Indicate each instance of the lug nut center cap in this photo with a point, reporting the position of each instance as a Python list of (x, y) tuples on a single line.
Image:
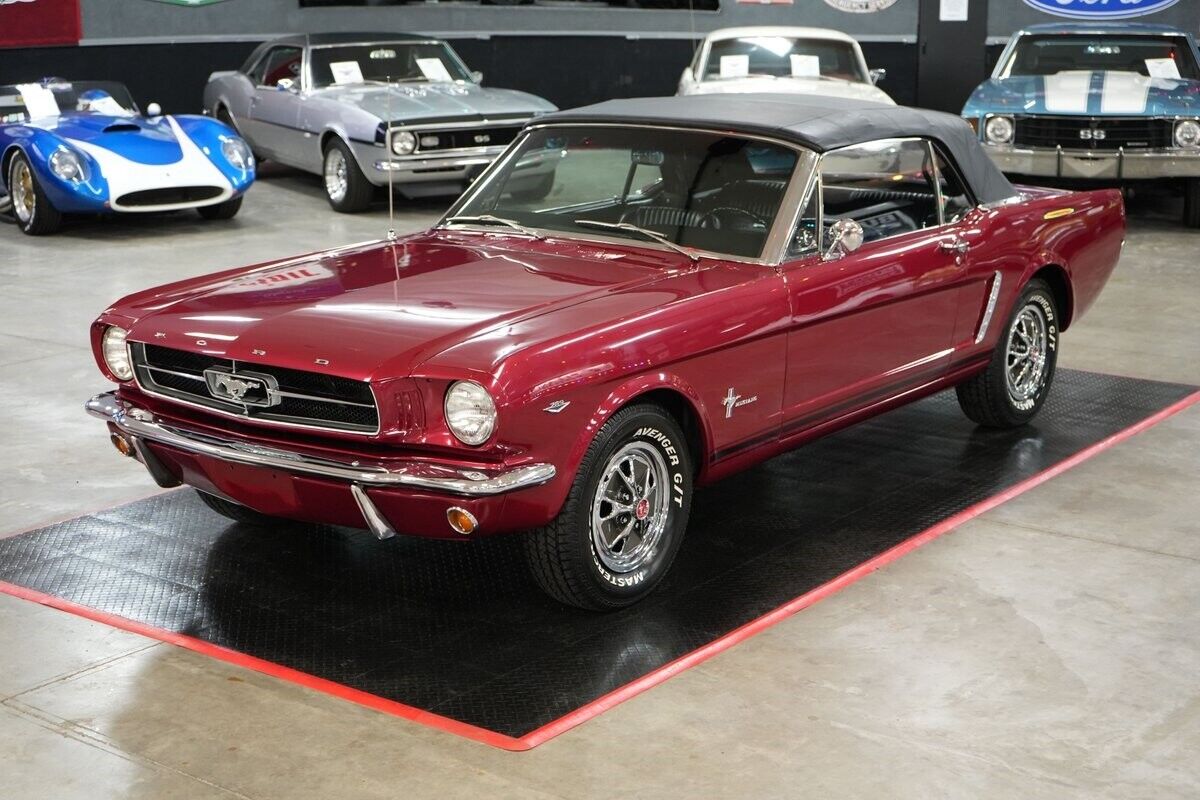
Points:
[(642, 509)]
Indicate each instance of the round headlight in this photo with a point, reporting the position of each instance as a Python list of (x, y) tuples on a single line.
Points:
[(403, 143), (116, 356), (237, 153), (66, 165), (998, 130), (470, 412), (1187, 133)]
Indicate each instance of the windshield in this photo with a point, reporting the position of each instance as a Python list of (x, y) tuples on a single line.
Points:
[(1154, 56), (707, 191), (783, 57), (396, 61), (21, 102)]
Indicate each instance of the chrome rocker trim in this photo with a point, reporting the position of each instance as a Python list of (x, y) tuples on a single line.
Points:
[(141, 424)]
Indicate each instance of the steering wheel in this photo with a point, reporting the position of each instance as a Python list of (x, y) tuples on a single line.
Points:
[(735, 218)]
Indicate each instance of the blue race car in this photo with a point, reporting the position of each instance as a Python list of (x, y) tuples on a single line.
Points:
[(84, 147), (1099, 103)]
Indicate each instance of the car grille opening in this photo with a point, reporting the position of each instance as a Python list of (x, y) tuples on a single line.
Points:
[(169, 196), (465, 138), (304, 398), (1093, 133)]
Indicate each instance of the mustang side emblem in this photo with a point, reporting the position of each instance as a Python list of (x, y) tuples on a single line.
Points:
[(734, 400), (557, 406), (245, 388)]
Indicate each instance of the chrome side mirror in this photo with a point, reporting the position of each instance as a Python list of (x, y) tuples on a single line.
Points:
[(845, 236), (877, 75), (154, 110), (286, 85), (476, 76)]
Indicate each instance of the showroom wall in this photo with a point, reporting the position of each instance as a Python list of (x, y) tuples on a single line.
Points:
[(572, 53)]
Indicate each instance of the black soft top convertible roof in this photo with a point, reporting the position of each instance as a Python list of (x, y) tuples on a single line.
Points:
[(815, 122)]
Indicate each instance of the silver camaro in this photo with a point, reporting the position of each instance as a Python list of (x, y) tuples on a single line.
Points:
[(359, 109)]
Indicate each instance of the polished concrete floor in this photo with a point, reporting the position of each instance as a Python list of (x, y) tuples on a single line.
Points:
[(1050, 648)]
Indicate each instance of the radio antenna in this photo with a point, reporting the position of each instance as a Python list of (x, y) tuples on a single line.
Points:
[(391, 234)]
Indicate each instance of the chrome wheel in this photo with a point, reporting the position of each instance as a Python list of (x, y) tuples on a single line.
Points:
[(20, 182), (629, 511), (337, 179), (1026, 353)]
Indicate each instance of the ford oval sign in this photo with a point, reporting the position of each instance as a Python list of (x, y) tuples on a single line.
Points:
[(1100, 9)]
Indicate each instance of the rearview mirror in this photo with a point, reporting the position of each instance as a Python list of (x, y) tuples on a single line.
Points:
[(877, 75), (845, 236), (476, 76)]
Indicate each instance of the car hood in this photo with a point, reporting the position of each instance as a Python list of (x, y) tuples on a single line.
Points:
[(1086, 92), (141, 139), (413, 102), (829, 87), (379, 311)]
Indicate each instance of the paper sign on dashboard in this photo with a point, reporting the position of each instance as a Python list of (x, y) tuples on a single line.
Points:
[(39, 101), (433, 69), (735, 66), (1162, 68), (346, 72), (806, 66)]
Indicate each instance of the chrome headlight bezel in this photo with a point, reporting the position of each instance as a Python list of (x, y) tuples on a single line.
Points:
[(1190, 130), (66, 165), (470, 412), (115, 351), (999, 129), (237, 153), (403, 143)]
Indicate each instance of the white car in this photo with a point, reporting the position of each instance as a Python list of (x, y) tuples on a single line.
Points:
[(782, 59)]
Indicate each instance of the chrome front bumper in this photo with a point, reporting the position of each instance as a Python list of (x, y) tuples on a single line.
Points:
[(1117, 164), (140, 424)]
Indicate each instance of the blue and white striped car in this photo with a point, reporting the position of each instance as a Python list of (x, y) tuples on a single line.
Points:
[(1110, 103)]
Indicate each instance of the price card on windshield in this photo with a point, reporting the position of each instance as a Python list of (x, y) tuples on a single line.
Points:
[(346, 72), (806, 66), (433, 69), (39, 101), (735, 66), (1162, 68)]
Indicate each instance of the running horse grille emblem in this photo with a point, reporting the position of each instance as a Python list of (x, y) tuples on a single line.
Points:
[(244, 388)]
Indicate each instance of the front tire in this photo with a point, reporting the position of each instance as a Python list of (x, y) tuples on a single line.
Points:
[(225, 210), (624, 518), (34, 213), (346, 186), (234, 511), (1191, 203), (1013, 388)]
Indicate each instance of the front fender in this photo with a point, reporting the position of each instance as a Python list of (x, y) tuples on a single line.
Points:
[(87, 196), (208, 134)]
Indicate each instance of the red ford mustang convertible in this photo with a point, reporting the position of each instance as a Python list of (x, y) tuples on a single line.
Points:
[(710, 281)]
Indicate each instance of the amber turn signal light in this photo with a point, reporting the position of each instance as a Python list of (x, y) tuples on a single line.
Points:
[(461, 520), (123, 445)]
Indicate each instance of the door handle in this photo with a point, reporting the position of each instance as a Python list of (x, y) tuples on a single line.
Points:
[(958, 246)]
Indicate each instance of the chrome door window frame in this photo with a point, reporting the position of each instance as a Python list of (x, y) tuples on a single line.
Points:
[(774, 246)]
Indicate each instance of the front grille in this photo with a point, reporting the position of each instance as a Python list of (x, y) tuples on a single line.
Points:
[(1093, 133), (463, 138), (303, 398), (170, 196)]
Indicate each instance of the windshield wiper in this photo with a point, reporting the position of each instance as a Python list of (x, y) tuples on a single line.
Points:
[(491, 219), (629, 226)]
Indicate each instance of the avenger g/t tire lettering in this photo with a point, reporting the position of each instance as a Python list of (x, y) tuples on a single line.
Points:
[(624, 518), (1011, 391)]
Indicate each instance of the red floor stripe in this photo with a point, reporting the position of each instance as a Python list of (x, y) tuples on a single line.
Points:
[(629, 690)]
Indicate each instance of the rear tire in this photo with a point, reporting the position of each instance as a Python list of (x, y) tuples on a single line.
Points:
[(346, 186), (32, 209), (1011, 391), (624, 518), (1191, 203), (226, 210), (233, 511)]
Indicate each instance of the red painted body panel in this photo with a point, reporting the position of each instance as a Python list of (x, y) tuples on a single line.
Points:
[(807, 347)]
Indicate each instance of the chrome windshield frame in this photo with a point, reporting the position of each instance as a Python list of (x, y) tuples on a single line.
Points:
[(774, 246)]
